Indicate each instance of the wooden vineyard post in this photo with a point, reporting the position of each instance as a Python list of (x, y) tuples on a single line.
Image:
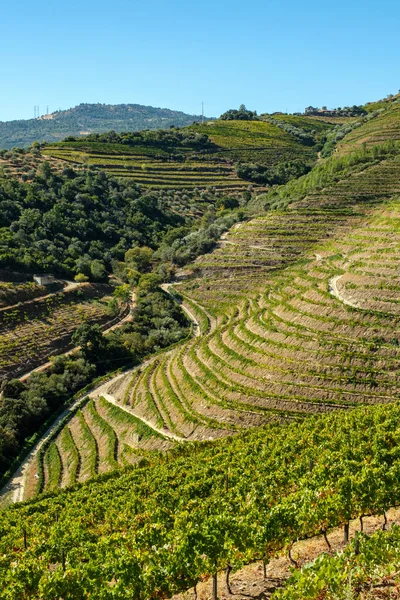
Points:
[(63, 559), (228, 572), (326, 540), (294, 562), (357, 547), (264, 569), (346, 533), (25, 539), (215, 587)]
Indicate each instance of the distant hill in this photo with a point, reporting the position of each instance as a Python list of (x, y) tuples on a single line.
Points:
[(89, 118)]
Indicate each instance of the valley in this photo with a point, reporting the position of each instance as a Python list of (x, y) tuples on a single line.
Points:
[(293, 347), (256, 401)]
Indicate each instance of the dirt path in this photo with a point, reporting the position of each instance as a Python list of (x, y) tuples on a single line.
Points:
[(48, 364), (196, 324), (70, 285), (334, 290), (16, 486), (164, 432)]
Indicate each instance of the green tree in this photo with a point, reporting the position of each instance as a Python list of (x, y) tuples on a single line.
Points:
[(13, 388), (122, 292), (149, 283), (45, 170), (139, 258), (81, 278), (98, 270), (91, 340)]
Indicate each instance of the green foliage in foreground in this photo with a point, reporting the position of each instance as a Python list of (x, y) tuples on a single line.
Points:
[(363, 565), (159, 528)]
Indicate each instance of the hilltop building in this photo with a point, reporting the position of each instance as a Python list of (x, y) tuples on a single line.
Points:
[(44, 279), (347, 111)]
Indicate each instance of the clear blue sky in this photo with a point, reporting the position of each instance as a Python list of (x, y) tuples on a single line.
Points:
[(268, 54)]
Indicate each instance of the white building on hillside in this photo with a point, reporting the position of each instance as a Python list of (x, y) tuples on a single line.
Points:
[(43, 279)]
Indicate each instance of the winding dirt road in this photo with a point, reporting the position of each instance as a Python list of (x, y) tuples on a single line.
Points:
[(15, 488), (334, 290), (48, 364), (16, 485), (70, 285), (195, 323), (164, 432)]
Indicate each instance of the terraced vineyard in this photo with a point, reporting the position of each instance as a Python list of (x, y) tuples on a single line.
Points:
[(12, 293), (23, 164), (260, 141), (184, 168), (295, 314), (175, 520), (31, 332), (148, 171), (99, 438), (297, 310), (382, 128)]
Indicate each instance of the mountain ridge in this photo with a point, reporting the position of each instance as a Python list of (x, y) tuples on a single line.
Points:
[(88, 118)]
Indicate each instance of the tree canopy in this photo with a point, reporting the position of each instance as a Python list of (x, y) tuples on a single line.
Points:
[(243, 114), (74, 224)]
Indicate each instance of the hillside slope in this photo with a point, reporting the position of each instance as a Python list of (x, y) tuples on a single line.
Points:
[(297, 311), (383, 127), (296, 315), (89, 118), (222, 154)]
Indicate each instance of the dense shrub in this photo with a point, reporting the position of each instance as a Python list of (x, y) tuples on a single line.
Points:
[(239, 115), (278, 174), (161, 138), (185, 249), (77, 223)]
